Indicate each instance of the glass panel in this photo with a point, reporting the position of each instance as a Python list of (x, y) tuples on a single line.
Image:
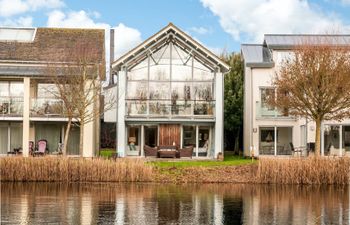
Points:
[(159, 90), (159, 107), (201, 72), (189, 136), (133, 139), (266, 94), (16, 135), (151, 136), (3, 138), (49, 132), (160, 72), (4, 88), (139, 72), (331, 139), (73, 141), (203, 141), (346, 138), (136, 107), (16, 89), (180, 57), (267, 139), (203, 91), (303, 135), (47, 90), (182, 108), (137, 90), (203, 108), (284, 140), (181, 73)]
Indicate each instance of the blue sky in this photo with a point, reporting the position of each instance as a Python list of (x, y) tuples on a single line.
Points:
[(218, 24)]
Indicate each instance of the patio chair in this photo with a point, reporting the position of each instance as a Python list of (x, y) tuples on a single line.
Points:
[(149, 151), (42, 146), (296, 150), (186, 151)]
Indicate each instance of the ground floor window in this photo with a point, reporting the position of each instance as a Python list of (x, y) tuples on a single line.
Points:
[(275, 140), (11, 136), (151, 136), (133, 140), (336, 139), (203, 141)]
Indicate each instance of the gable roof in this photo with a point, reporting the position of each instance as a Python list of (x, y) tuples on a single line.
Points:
[(289, 41), (170, 33), (49, 44)]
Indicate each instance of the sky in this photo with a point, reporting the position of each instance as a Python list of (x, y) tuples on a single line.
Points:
[(220, 25)]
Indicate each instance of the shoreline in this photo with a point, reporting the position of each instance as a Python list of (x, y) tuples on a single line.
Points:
[(264, 171)]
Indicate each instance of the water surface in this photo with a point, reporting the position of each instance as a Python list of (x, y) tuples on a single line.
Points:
[(54, 203)]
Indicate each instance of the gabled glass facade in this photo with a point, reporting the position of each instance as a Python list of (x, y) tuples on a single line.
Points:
[(170, 82)]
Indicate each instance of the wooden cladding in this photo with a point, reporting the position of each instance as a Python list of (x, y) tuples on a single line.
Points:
[(169, 133)]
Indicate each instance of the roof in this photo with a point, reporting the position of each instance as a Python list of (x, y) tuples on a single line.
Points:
[(174, 34), (256, 56), (51, 44), (288, 41)]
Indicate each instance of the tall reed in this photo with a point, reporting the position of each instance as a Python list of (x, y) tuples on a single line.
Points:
[(312, 170), (74, 170)]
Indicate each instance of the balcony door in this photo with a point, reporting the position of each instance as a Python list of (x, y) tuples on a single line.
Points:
[(169, 134)]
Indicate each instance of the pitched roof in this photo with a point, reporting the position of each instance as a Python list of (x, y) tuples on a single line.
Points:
[(256, 55), (49, 44), (288, 41), (173, 33)]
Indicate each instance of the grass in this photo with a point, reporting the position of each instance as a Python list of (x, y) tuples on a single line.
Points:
[(229, 160), (107, 152)]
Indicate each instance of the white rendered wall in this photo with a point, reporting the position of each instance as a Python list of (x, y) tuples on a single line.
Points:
[(121, 131), (219, 110)]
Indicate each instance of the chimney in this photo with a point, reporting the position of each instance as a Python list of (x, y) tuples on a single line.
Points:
[(111, 55)]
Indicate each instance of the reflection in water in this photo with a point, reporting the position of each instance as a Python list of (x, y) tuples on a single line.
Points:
[(35, 203)]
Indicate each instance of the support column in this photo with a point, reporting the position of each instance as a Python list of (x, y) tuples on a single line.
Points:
[(26, 122), (121, 113), (219, 114)]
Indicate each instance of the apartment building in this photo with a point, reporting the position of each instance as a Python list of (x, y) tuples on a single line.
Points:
[(268, 131), (28, 111)]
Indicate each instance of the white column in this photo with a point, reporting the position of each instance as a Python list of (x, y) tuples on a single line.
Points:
[(121, 113), (142, 139), (197, 140), (26, 122), (219, 114)]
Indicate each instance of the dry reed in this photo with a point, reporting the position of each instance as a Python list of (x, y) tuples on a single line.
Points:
[(312, 170), (74, 169)]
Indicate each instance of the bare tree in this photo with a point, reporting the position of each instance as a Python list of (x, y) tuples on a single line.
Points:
[(315, 83), (78, 84)]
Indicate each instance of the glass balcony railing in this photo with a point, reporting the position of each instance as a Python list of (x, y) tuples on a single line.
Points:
[(264, 111), (46, 107), (11, 106), (169, 108)]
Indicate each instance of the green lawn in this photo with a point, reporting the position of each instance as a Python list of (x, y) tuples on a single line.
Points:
[(107, 152), (229, 160)]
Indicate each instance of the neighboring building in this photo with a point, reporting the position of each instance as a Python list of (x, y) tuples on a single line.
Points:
[(170, 92), (28, 112), (269, 132)]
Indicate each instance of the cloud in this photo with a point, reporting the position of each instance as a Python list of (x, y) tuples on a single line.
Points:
[(200, 30), (14, 7), (345, 2), (250, 19), (125, 39), (73, 19), (26, 21)]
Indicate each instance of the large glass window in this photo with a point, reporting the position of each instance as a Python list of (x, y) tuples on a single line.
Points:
[(189, 136), (170, 82), (267, 140), (133, 140), (151, 136), (203, 141), (49, 132), (346, 138), (3, 138)]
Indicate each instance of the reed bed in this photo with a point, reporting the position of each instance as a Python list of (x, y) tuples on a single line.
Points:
[(74, 170), (311, 170)]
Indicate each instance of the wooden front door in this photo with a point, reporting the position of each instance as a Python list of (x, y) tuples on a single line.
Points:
[(169, 133)]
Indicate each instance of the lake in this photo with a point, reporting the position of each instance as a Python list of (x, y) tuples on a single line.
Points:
[(113, 203)]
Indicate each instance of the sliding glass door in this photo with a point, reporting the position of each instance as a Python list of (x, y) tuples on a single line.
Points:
[(4, 138), (275, 140)]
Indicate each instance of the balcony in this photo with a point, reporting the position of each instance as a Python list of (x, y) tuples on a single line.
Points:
[(263, 111), (11, 106), (47, 107), (167, 108)]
